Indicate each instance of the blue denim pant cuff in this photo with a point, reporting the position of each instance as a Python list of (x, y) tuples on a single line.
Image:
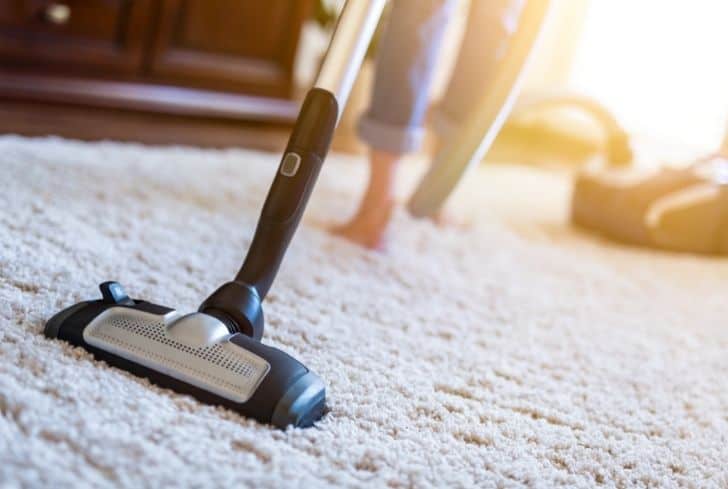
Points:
[(389, 137)]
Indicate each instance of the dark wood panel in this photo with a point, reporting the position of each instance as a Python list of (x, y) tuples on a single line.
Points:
[(148, 97), (44, 119), (79, 36), (150, 70), (231, 45)]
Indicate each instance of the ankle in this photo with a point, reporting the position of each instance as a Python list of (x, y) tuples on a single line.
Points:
[(382, 179)]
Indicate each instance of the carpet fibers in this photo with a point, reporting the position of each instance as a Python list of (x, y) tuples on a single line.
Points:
[(514, 352)]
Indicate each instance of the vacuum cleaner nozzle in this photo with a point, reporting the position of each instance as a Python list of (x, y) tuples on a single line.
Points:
[(215, 354), (194, 354)]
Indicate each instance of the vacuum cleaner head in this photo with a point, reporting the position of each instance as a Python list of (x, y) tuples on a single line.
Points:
[(215, 354), (194, 354)]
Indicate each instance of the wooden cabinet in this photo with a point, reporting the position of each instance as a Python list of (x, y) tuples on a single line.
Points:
[(206, 58), (228, 44), (74, 35)]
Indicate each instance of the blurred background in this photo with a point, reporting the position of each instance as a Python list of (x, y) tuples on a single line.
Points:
[(232, 72), (658, 65)]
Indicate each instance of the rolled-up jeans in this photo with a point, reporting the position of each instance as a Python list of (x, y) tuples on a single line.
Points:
[(406, 63)]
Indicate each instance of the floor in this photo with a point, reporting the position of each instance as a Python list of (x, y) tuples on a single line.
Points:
[(513, 352)]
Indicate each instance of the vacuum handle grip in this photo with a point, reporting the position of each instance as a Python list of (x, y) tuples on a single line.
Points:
[(291, 189)]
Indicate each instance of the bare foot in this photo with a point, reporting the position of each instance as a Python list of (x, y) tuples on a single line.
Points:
[(370, 222), (368, 227)]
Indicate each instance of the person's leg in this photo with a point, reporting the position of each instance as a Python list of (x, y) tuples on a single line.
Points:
[(368, 225), (393, 125)]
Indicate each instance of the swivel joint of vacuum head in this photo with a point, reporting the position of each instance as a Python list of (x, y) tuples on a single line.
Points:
[(238, 306)]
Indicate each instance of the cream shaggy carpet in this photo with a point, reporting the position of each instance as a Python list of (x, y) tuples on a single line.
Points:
[(517, 352)]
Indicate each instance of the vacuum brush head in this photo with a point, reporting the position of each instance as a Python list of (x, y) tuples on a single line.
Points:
[(216, 354), (194, 354)]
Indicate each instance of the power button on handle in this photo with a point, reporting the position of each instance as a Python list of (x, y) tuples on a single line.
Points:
[(290, 164), (289, 186)]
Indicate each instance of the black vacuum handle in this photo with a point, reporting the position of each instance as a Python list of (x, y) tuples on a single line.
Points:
[(238, 303), (291, 189)]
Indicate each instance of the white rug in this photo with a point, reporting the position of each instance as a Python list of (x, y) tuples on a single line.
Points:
[(518, 352)]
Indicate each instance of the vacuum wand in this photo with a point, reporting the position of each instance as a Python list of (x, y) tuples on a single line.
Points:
[(354, 30), (309, 143), (237, 303)]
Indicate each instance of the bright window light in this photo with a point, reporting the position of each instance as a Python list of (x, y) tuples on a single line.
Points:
[(660, 65)]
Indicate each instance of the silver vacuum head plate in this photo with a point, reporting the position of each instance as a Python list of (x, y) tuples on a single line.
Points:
[(194, 349)]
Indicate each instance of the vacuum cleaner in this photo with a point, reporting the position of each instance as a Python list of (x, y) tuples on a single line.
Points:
[(216, 353)]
